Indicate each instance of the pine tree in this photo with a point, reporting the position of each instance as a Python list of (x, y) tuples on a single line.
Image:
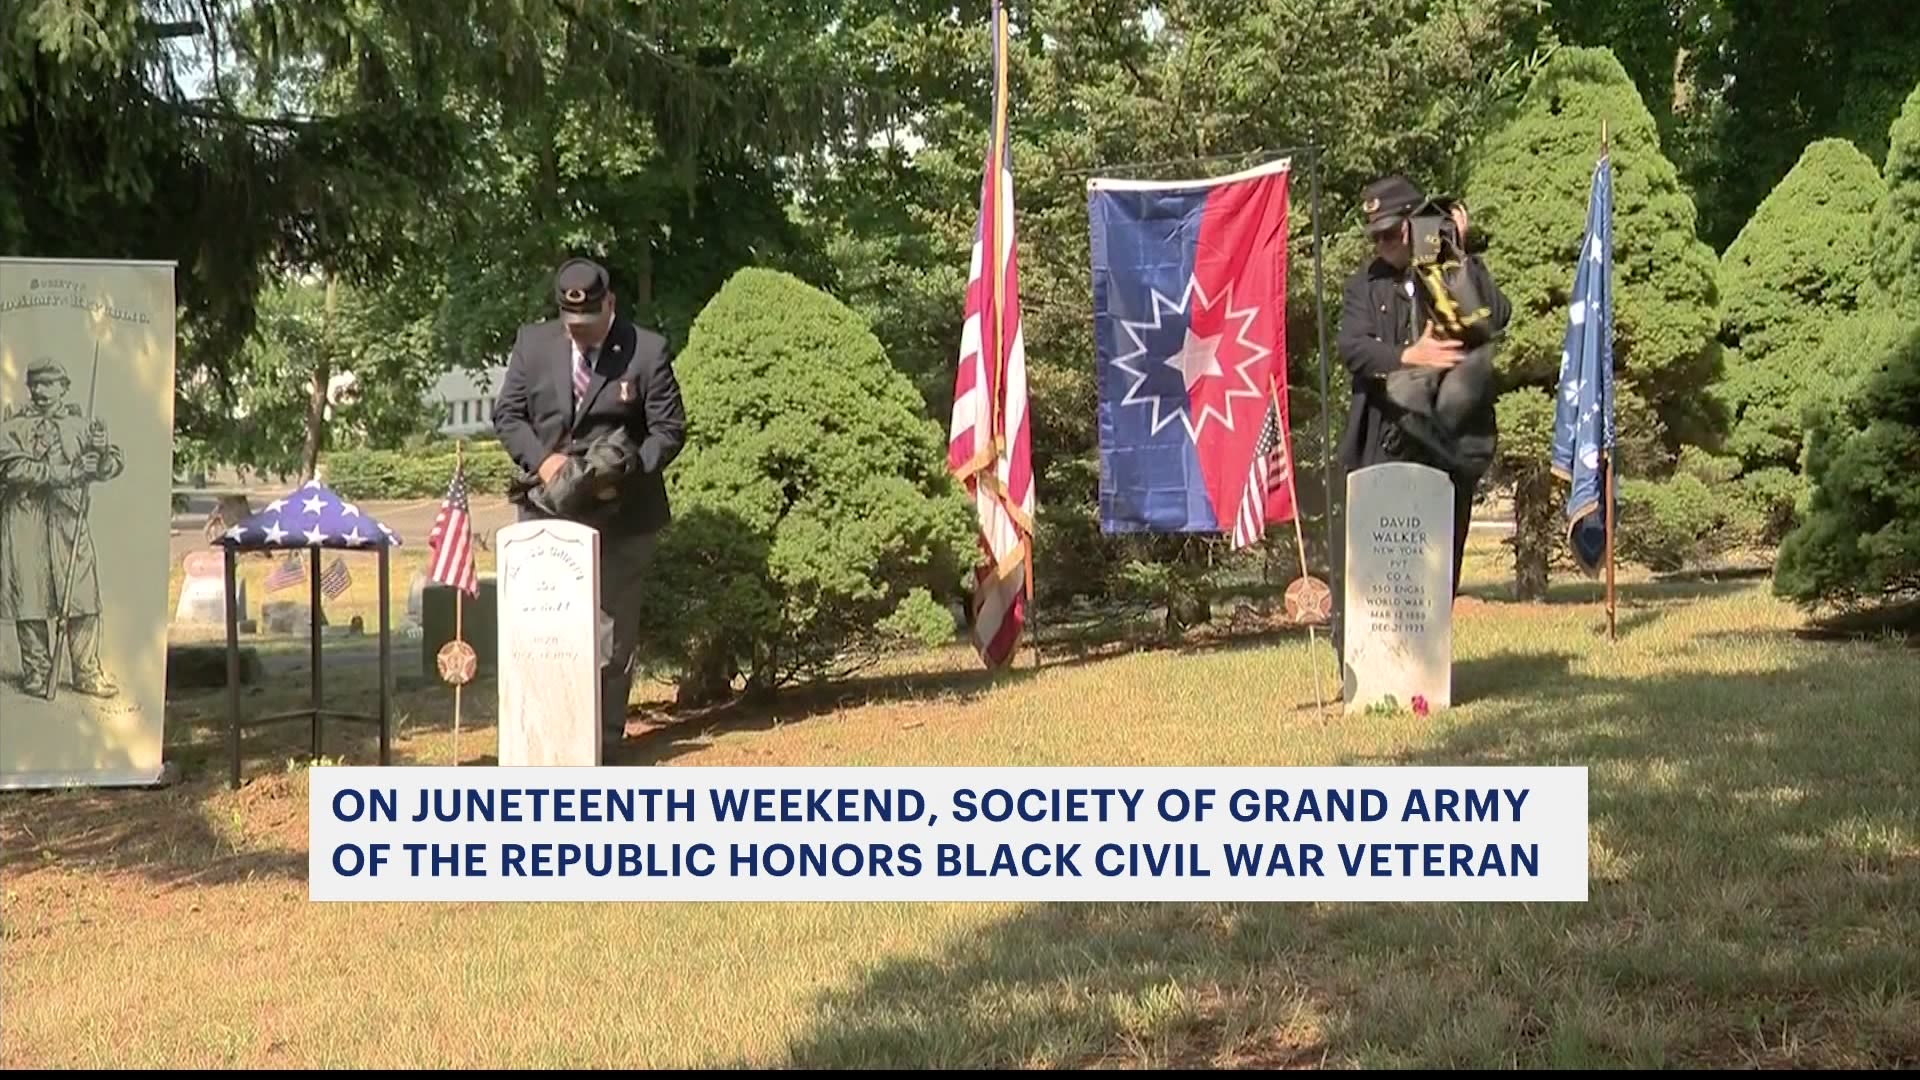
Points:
[(815, 522), (1799, 269), (1859, 542), (1528, 187)]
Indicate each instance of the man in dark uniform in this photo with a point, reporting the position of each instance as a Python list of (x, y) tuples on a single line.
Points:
[(575, 386), (1382, 331)]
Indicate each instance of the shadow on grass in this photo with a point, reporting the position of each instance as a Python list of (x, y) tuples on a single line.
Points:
[(174, 836), (197, 831), (1583, 591), (1755, 869), (686, 731)]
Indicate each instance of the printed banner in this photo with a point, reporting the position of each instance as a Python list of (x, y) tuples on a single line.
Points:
[(86, 480), (1403, 834)]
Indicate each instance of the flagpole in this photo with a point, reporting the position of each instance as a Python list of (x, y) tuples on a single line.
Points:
[(1608, 510), (996, 373), (1300, 545), (459, 610)]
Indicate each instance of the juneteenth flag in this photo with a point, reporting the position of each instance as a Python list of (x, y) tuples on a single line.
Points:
[(1189, 301)]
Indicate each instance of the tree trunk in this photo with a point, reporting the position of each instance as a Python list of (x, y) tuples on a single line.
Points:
[(317, 401), (1534, 534), (709, 676), (639, 307), (764, 678)]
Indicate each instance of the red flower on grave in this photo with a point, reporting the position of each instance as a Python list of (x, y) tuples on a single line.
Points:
[(1420, 706)]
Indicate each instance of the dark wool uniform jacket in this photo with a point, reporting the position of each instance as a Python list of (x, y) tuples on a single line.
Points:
[(632, 390), (1377, 323)]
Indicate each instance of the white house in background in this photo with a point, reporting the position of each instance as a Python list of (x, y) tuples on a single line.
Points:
[(466, 400)]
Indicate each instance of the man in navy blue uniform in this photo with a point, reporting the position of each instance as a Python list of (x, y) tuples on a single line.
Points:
[(1382, 332), (581, 391)]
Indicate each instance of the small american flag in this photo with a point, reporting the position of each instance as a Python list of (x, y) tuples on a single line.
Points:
[(450, 544), (1268, 470), (291, 571), (336, 579)]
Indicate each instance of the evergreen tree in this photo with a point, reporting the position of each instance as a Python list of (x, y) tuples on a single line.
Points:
[(1800, 265), (815, 520), (1859, 542), (1528, 186), (1896, 231)]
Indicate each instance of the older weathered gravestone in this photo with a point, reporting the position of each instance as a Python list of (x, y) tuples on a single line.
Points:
[(416, 591), (203, 592), (547, 574), (1399, 587)]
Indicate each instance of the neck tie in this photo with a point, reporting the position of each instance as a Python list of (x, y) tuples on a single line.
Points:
[(582, 373)]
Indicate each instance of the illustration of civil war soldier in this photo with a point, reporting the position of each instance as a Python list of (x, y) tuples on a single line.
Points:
[(50, 456)]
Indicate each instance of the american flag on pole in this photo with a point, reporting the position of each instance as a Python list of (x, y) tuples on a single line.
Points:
[(988, 443), (291, 571), (336, 579), (450, 544), (1268, 495)]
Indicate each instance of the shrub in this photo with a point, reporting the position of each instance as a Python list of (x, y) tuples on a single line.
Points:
[(1860, 540), (1802, 261), (1688, 518), (1896, 230), (395, 474), (1530, 180), (817, 525)]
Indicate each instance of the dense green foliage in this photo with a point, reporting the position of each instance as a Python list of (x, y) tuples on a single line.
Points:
[(399, 474), (441, 157), (1529, 186), (1767, 78), (1802, 265), (1859, 541), (1896, 231), (1688, 518), (1802, 262), (816, 520), (1861, 537)]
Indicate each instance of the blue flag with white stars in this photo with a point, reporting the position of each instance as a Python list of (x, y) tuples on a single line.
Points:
[(1583, 408)]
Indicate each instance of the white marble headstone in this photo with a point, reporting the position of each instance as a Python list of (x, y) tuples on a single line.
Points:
[(549, 617), (203, 592), (1398, 614)]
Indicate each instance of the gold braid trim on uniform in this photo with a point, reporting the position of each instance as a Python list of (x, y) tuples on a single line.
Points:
[(1447, 313)]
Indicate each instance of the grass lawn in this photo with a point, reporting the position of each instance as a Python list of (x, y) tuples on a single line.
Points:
[(1755, 802)]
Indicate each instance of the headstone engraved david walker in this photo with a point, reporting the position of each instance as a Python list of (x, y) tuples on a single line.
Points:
[(548, 619), (1399, 590)]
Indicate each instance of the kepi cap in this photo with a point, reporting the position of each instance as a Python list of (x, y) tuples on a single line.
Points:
[(580, 288), (1387, 202), (45, 370)]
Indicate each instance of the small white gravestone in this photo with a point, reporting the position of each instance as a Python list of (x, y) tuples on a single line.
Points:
[(416, 599), (203, 592), (548, 579), (1398, 614)]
